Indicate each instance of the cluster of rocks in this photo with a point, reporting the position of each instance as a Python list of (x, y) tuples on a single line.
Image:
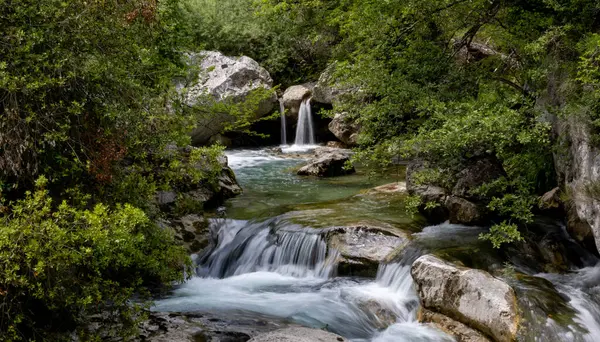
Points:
[(222, 79), (182, 206), (461, 203), (192, 327)]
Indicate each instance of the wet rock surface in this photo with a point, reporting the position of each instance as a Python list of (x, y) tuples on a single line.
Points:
[(469, 296), (298, 334), (199, 327), (459, 331), (363, 248), (328, 164)]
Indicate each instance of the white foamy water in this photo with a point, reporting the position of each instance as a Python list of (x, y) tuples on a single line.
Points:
[(299, 148), (238, 159), (274, 269)]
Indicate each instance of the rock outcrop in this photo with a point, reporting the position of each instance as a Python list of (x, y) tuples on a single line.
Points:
[(228, 80), (184, 203), (460, 203), (298, 334), (469, 296), (578, 170), (326, 91), (345, 129), (293, 96), (363, 248), (329, 163)]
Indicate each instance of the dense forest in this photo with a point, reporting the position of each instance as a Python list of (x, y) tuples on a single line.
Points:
[(93, 126)]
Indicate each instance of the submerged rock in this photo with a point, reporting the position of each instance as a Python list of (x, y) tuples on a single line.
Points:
[(392, 188), (345, 129), (469, 296), (383, 316), (225, 79), (298, 334), (331, 164), (459, 331), (363, 248)]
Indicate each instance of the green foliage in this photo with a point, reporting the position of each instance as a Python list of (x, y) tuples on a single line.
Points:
[(502, 233), (412, 204), (61, 264)]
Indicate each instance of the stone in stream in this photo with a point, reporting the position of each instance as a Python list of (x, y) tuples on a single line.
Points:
[(469, 296), (328, 163), (363, 248), (298, 334)]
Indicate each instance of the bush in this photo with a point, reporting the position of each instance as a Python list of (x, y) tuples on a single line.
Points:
[(61, 264)]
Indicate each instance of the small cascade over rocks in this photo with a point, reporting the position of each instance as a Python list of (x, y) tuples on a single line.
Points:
[(283, 124), (270, 246), (282, 271), (305, 132)]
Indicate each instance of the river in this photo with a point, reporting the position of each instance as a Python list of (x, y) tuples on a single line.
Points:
[(272, 261)]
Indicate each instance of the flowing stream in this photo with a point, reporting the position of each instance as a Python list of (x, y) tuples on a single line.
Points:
[(272, 261)]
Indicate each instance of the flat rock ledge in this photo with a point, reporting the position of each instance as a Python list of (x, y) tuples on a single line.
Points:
[(298, 334)]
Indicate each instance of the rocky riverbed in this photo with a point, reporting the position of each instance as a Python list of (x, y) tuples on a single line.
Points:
[(340, 254)]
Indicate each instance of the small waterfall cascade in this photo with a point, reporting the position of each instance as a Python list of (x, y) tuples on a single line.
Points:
[(271, 246), (305, 134), (283, 124)]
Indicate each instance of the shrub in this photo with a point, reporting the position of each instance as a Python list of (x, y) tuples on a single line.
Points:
[(61, 264)]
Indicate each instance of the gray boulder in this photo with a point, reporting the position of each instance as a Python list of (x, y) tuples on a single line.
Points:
[(293, 97), (363, 248), (330, 164), (477, 173), (345, 129), (462, 211), (325, 90), (298, 334), (469, 296), (228, 80)]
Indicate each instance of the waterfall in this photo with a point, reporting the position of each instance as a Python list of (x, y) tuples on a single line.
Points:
[(270, 246), (305, 134), (283, 124)]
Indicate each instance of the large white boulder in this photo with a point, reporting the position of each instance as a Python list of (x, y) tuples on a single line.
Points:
[(472, 297), (224, 79)]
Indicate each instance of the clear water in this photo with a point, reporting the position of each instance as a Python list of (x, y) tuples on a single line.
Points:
[(272, 262)]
